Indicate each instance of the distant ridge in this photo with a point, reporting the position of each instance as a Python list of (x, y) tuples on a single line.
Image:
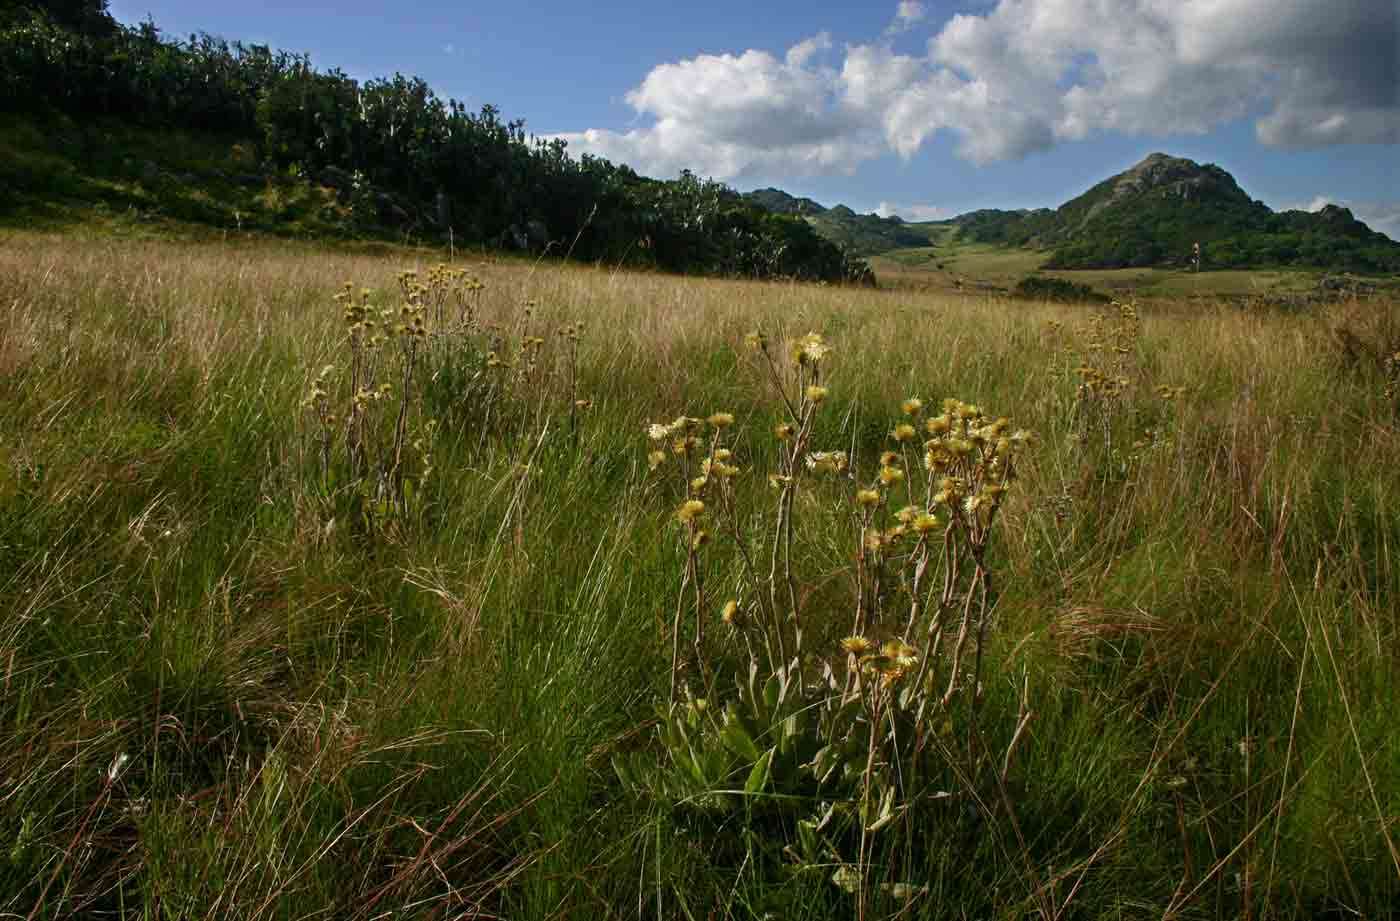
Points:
[(1155, 212), (859, 234)]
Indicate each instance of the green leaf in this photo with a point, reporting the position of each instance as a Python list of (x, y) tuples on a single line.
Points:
[(886, 812), (790, 730), (772, 693), (738, 740), (758, 776)]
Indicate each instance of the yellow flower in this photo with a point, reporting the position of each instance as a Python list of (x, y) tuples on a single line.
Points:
[(868, 497), (810, 348), (889, 459), (783, 431), (690, 510), (827, 462), (730, 612), (912, 406), (889, 476), (900, 654), (656, 459), (926, 523), (816, 394), (856, 645), (721, 420), (902, 432)]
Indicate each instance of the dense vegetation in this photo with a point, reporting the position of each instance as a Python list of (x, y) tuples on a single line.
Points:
[(860, 234), (1154, 213), (1061, 290), (401, 159), (321, 603)]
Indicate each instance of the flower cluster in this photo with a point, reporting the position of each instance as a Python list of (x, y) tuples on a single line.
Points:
[(444, 288)]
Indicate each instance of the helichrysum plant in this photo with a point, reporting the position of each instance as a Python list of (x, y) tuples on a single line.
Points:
[(362, 417), (863, 722)]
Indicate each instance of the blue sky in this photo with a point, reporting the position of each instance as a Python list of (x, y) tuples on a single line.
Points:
[(926, 109)]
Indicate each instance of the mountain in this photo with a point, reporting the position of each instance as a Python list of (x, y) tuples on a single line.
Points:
[(859, 234), (1154, 213), (780, 202)]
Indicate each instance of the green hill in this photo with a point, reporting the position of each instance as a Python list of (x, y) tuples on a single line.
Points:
[(1154, 213), (858, 234), (104, 125)]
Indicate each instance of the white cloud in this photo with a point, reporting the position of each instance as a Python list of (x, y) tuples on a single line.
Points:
[(918, 212), (1379, 215), (1022, 77), (732, 115)]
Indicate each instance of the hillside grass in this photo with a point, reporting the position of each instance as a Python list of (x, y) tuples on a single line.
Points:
[(954, 265), (104, 178), (226, 697)]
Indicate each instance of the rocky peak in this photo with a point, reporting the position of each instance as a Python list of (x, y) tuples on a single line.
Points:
[(1177, 177), (1335, 214)]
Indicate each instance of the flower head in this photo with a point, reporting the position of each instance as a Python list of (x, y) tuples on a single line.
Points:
[(827, 462), (856, 645), (810, 349), (925, 523), (900, 654), (690, 510)]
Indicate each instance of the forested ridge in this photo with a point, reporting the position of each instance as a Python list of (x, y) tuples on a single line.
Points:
[(402, 159)]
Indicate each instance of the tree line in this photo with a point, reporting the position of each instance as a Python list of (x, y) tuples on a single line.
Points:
[(475, 174)]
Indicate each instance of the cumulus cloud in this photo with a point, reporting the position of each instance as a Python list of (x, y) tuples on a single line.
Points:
[(1020, 78), (916, 212)]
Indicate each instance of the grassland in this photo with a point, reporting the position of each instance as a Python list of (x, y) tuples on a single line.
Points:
[(237, 685), (953, 265)]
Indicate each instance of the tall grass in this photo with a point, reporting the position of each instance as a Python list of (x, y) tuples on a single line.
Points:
[(223, 700)]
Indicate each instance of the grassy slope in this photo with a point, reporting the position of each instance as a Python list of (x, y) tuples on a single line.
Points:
[(953, 264), (109, 178), (219, 702)]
